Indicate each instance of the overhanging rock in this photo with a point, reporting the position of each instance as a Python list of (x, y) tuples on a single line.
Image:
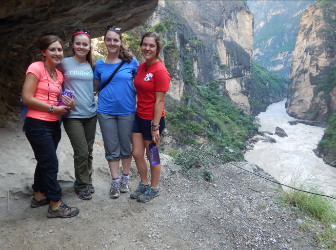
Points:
[(23, 23)]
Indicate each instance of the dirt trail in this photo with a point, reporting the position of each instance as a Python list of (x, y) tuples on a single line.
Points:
[(237, 211)]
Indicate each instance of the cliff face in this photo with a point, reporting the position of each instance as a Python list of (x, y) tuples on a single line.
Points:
[(312, 93), (224, 32), (211, 41), (24, 23), (276, 24)]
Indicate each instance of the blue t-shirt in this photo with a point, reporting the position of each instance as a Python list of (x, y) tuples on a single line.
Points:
[(118, 96)]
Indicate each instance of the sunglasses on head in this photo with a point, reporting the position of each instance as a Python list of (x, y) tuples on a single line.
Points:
[(114, 28), (85, 31)]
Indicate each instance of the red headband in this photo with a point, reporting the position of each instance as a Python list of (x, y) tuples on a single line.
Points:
[(81, 32)]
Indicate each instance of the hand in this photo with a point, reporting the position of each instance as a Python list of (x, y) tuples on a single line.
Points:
[(60, 110), (156, 136), (69, 102)]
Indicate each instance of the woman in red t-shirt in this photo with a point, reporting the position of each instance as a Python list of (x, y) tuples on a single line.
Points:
[(40, 93), (151, 83)]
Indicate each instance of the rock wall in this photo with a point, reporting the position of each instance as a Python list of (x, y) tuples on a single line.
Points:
[(24, 23), (217, 38), (276, 24), (310, 95)]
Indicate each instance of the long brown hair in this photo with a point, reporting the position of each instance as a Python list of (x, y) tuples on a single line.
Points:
[(124, 53), (46, 41), (157, 40), (89, 55)]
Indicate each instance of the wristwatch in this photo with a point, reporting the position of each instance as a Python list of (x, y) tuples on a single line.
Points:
[(51, 110)]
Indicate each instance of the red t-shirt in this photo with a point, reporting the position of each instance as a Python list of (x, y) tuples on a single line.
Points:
[(146, 83)]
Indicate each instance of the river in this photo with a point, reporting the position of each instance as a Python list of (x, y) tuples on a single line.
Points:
[(291, 160)]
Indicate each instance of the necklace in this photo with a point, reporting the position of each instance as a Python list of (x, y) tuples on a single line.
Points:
[(51, 75)]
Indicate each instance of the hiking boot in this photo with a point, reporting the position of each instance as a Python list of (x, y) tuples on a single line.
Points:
[(34, 203), (149, 194), (124, 184), (63, 211), (137, 192), (91, 188), (114, 191), (84, 195)]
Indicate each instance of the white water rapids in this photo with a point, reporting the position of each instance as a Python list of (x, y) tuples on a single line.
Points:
[(291, 160)]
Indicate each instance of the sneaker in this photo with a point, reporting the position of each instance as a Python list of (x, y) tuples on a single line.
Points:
[(140, 189), (91, 188), (34, 203), (124, 184), (63, 211), (84, 195), (149, 194), (114, 191)]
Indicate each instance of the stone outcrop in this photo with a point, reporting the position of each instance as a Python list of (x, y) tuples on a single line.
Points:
[(225, 31), (23, 23), (311, 96), (276, 24), (280, 132)]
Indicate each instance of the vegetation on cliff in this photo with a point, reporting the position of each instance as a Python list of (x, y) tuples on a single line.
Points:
[(214, 117), (327, 146), (266, 88)]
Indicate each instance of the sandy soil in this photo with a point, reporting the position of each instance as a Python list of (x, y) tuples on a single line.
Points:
[(236, 211)]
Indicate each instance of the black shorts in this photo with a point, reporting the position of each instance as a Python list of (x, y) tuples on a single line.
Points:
[(145, 127)]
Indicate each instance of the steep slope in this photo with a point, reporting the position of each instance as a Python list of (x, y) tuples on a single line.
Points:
[(276, 24), (312, 92)]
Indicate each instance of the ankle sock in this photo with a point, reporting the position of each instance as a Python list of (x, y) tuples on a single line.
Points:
[(115, 179), (54, 209), (38, 199), (125, 175)]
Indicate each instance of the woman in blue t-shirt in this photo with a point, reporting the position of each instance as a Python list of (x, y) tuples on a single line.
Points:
[(116, 106)]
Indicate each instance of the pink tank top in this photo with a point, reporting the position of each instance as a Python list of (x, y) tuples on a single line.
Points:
[(47, 91)]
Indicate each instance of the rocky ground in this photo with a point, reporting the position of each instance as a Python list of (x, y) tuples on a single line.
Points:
[(237, 211)]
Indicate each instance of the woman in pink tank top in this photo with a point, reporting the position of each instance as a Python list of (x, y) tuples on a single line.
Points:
[(40, 93)]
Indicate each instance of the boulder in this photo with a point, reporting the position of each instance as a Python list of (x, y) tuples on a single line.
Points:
[(269, 139), (293, 122), (280, 132)]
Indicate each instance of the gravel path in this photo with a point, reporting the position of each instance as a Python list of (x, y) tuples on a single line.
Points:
[(236, 211)]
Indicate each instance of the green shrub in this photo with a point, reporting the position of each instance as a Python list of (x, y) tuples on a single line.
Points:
[(223, 66), (208, 176), (319, 207)]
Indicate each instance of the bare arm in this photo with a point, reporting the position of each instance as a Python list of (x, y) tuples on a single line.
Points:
[(96, 84), (160, 97), (28, 91)]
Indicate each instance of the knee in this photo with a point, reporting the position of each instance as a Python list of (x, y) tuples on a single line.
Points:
[(81, 155), (138, 154)]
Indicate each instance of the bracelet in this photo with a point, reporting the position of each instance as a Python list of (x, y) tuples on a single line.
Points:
[(155, 127)]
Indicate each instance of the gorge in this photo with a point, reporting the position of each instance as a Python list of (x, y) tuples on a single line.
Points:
[(312, 88), (216, 90)]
